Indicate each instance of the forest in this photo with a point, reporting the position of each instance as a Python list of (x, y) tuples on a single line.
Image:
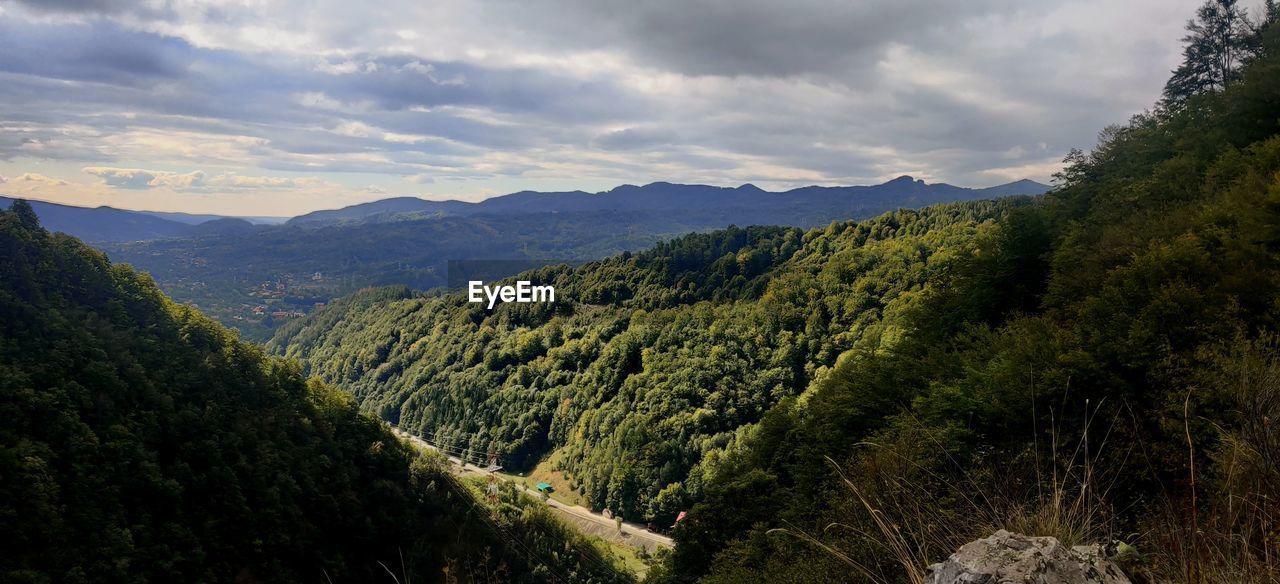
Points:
[(848, 402), (222, 266), (1098, 364), (144, 443), (648, 363)]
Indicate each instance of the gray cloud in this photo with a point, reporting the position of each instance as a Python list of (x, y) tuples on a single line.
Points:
[(752, 37), (153, 9), (567, 91)]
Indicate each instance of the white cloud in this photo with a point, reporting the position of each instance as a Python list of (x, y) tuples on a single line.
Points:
[(196, 180), (564, 94), (31, 177), (137, 178)]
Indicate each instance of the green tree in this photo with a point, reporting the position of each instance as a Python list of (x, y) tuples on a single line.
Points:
[(1217, 42)]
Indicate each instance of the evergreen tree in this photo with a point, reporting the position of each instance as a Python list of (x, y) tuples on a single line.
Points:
[(1218, 41), (25, 214)]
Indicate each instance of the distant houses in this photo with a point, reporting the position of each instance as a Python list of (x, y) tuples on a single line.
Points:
[(262, 311)]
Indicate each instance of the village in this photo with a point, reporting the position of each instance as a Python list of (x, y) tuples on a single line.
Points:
[(280, 298)]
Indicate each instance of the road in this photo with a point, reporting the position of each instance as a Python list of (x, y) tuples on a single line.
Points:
[(636, 533)]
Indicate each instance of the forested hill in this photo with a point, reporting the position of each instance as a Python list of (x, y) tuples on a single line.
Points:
[(1104, 370), (748, 204), (229, 268), (649, 364), (143, 443), (104, 224), (1099, 365)]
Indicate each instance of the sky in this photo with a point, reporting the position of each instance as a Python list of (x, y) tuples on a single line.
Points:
[(260, 107)]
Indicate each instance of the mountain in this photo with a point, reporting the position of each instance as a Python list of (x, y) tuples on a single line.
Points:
[(232, 269), (104, 224), (853, 402), (384, 207), (741, 205), (223, 226), (143, 443), (110, 225), (237, 274), (648, 362), (196, 219)]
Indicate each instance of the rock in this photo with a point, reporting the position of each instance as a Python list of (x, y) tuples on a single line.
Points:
[(1011, 558)]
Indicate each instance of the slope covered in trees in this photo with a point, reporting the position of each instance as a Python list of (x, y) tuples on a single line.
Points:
[(1099, 364), (648, 364), (143, 443), (228, 268), (1128, 392), (104, 224)]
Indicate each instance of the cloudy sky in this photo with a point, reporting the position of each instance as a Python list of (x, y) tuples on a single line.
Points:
[(260, 107)]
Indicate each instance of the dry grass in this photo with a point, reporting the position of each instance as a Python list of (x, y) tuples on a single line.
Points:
[(910, 501), (1236, 537), (899, 489)]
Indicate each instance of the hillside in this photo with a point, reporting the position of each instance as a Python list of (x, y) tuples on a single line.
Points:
[(1098, 365), (1104, 370), (143, 443), (231, 269), (718, 206), (228, 270), (106, 225), (650, 362), (103, 224)]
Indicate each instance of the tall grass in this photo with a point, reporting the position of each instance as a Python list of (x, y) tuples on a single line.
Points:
[(1235, 536), (916, 504), (912, 502)]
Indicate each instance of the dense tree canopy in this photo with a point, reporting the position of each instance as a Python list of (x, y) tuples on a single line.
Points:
[(143, 443), (1118, 336), (1097, 363), (649, 363)]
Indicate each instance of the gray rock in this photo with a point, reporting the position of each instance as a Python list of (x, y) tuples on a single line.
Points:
[(1011, 558)]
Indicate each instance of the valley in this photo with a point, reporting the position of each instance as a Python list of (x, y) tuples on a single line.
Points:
[(659, 382), (255, 277)]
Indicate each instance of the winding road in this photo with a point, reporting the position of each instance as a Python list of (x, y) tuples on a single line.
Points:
[(633, 534)]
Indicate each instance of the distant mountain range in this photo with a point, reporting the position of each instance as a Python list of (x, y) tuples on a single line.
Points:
[(242, 273), (110, 225), (703, 204), (747, 204)]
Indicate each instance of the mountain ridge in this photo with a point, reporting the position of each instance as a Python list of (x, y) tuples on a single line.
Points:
[(107, 224), (663, 195)]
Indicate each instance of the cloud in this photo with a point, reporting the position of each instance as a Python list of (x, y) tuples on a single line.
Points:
[(31, 177), (565, 94), (752, 37), (142, 8), (136, 178), (632, 138), (235, 181), (197, 180), (1045, 167)]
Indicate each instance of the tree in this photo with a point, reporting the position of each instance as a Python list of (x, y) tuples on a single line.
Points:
[(1217, 42), (26, 215), (1255, 43)]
